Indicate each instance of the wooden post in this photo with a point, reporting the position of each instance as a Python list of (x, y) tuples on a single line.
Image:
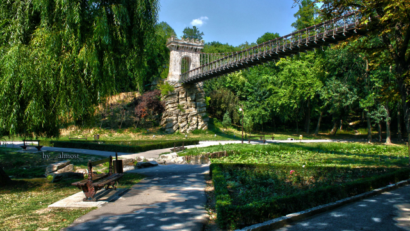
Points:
[(116, 162)]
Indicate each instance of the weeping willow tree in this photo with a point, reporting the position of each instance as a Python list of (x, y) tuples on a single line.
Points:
[(59, 58)]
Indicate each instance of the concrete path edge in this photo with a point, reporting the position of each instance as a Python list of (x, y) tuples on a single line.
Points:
[(284, 220)]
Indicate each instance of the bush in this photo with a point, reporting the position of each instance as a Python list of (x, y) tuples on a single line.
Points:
[(165, 88), (226, 120), (121, 148), (237, 214)]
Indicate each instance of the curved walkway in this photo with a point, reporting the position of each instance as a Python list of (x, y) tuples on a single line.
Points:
[(171, 197)]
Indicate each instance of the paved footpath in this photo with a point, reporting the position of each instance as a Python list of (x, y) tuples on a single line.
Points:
[(389, 211), (171, 197)]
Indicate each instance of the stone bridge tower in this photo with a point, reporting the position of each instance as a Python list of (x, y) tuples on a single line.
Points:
[(185, 108)]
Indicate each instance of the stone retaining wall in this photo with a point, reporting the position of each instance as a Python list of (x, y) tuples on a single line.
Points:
[(185, 109)]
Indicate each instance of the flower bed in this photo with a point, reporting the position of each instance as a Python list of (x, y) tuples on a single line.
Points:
[(247, 194)]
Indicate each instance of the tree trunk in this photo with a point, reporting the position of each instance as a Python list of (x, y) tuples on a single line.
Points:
[(318, 123), (341, 125), (307, 125), (337, 128), (369, 128), (297, 126), (4, 178), (399, 136), (388, 121), (362, 119), (380, 131), (274, 126), (404, 95), (334, 129)]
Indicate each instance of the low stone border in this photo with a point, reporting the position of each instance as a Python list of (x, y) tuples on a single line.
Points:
[(282, 221), (76, 200), (194, 160)]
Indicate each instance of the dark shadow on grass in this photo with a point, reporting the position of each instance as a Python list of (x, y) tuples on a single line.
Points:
[(23, 185)]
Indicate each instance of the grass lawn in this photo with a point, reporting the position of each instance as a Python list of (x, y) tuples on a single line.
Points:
[(310, 154), (215, 132), (18, 163), (23, 204)]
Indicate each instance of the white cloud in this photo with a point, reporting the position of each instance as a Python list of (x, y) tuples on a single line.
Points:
[(199, 21)]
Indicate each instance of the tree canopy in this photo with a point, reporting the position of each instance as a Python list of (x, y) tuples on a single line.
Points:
[(307, 15), (59, 58), (267, 37), (192, 33)]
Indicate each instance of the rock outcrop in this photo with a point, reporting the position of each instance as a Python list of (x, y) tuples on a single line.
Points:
[(185, 109), (146, 164), (59, 167), (173, 158)]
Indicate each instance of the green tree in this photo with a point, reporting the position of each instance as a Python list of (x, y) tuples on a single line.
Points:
[(192, 33), (307, 15), (160, 53), (164, 30), (267, 37), (223, 100), (226, 122), (60, 58), (217, 47), (389, 21)]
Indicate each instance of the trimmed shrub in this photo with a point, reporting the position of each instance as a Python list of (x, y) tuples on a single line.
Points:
[(119, 147), (234, 213)]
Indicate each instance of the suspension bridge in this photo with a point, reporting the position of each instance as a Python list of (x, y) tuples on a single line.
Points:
[(310, 38)]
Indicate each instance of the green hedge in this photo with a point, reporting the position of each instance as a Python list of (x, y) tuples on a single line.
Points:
[(233, 215), (116, 148), (127, 143)]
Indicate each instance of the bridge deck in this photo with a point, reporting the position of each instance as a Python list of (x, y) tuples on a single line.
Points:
[(300, 41)]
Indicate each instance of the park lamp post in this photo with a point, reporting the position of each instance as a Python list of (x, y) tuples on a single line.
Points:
[(240, 109)]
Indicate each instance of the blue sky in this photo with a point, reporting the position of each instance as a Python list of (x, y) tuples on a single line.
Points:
[(229, 21)]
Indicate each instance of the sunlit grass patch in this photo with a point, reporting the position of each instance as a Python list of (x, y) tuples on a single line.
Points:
[(309, 154), (23, 205)]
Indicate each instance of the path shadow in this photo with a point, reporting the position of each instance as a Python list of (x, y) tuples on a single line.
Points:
[(167, 199), (377, 213)]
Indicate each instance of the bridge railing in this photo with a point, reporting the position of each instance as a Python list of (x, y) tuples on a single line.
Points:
[(291, 42)]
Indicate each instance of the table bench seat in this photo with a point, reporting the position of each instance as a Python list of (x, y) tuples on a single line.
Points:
[(97, 181), (26, 146), (105, 181)]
